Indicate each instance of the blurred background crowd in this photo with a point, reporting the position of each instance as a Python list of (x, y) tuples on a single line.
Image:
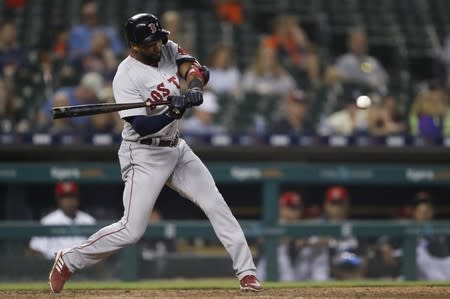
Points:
[(281, 67)]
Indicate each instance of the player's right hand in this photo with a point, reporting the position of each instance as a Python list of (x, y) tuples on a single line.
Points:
[(177, 107)]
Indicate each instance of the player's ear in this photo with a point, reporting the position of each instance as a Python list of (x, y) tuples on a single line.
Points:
[(134, 46)]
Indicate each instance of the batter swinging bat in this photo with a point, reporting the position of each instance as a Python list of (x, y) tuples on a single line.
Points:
[(91, 109)]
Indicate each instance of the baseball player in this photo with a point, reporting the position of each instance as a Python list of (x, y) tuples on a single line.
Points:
[(152, 155), (67, 213), (298, 259)]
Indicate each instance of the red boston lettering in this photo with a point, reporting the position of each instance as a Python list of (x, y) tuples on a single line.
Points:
[(173, 80), (163, 89), (156, 96)]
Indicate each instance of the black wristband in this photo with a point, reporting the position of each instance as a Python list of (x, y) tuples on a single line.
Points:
[(196, 82)]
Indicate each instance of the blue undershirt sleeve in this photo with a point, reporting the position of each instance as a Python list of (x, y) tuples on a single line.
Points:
[(146, 125)]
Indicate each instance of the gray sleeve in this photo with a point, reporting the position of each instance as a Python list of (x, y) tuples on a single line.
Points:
[(125, 91), (178, 53)]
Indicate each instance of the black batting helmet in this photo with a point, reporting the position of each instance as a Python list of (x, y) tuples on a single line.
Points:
[(144, 29)]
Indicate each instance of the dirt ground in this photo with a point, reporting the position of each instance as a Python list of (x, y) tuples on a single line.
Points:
[(299, 293)]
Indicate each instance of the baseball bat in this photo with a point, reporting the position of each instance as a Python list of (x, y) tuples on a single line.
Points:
[(91, 109)]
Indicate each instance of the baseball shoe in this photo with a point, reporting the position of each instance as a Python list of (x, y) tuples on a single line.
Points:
[(59, 274), (250, 283)]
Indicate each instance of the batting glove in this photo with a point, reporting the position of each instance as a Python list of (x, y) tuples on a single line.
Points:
[(194, 96)]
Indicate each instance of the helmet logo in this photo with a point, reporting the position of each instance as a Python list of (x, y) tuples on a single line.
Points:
[(152, 27)]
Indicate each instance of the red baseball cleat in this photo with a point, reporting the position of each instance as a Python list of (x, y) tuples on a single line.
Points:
[(59, 274), (250, 283)]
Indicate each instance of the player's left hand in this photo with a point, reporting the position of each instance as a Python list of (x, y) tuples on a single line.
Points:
[(194, 96)]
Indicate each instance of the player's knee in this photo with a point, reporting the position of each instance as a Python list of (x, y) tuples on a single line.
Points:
[(134, 236)]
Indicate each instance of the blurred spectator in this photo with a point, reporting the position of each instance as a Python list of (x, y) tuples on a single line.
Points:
[(57, 126), (347, 121), (59, 47), (14, 116), (87, 92), (446, 58), (12, 56), (433, 251), (266, 75), (65, 76), (171, 21), (230, 11), (295, 118), (358, 66), (384, 254), (202, 120), (81, 36), (230, 14), (298, 259), (430, 115), (384, 258), (384, 118), (224, 75), (104, 123), (336, 205), (100, 58), (67, 213), (345, 252), (53, 58), (294, 49), (7, 113), (423, 207), (14, 4)]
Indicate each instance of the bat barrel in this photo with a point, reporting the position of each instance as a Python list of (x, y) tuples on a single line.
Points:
[(91, 109), (59, 113), (62, 112)]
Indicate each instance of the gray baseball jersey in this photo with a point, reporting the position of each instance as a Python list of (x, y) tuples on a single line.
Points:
[(147, 168), (137, 82)]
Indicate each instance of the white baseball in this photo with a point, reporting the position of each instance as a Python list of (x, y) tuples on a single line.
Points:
[(363, 102)]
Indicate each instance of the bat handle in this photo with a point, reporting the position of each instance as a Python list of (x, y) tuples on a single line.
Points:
[(152, 105)]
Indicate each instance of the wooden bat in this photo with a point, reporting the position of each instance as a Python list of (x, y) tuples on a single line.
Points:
[(91, 109)]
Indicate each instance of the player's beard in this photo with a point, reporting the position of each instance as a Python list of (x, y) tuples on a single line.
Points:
[(150, 59)]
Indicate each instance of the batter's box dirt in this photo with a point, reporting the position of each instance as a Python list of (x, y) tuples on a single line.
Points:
[(432, 292)]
